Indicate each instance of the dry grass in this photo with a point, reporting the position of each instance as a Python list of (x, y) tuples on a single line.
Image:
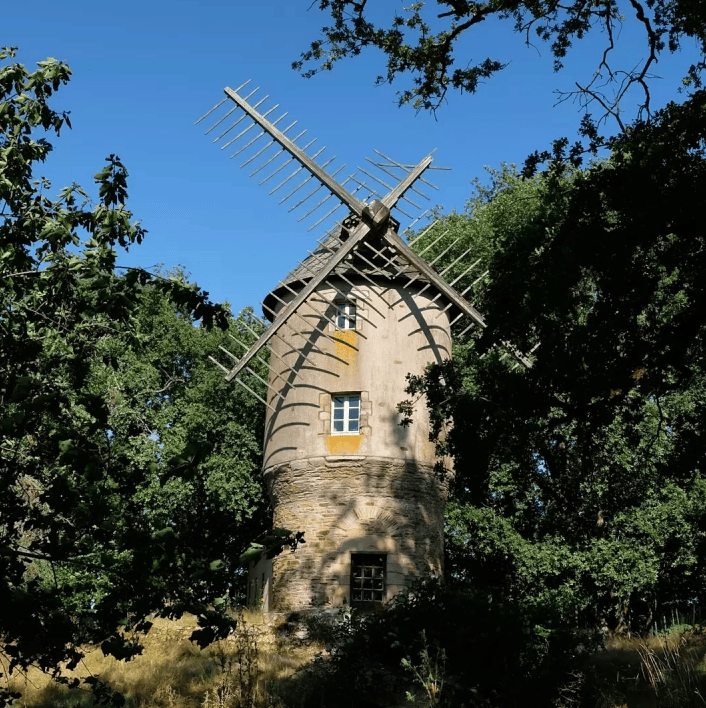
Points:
[(252, 669), (243, 671), (666, 671)]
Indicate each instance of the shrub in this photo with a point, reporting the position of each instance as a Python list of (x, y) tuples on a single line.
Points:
[(451, 647)]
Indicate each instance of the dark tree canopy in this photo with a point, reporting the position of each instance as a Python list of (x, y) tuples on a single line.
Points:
[(128, 471), (579, 482), (421, 44)]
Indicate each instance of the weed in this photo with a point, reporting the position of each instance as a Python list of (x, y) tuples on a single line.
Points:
[(328, 629), (428, 673), (237, 660), (673, 671)]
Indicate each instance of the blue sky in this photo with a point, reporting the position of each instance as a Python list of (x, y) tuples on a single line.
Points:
[(144, 71)]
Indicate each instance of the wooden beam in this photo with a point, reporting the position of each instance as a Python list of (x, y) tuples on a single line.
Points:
[(354, 239), (433, 277), (450, 293), (375, 215), (398, 192), (343, 194)]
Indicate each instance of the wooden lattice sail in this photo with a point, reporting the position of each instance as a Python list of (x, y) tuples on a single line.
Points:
[(366, 242)]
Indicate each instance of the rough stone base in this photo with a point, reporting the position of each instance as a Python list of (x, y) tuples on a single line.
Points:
[(353, 505)]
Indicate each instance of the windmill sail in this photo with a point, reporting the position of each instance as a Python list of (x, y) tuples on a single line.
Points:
[(361, 245)]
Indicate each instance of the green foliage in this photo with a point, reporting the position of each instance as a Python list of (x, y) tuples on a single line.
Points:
[(270, 543), (579, 482), (127, 464), (448, 646)]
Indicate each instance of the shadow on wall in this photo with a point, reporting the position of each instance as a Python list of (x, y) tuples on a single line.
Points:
[(440, 353), (365, 505), (347, 503), (288, 381)]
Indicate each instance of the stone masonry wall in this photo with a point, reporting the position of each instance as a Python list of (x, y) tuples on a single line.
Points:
[(349, 504)]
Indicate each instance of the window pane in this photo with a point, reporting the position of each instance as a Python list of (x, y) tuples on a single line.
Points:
[(345, 315), (345, 414), (367, 578), (351, 317)]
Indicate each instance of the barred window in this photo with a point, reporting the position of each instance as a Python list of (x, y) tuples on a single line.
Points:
[(345, 418), (368, 571)]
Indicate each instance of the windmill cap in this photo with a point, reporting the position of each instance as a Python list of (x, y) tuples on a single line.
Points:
[(355, 268)]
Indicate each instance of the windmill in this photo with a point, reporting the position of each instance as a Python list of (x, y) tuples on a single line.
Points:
[(359, 312)]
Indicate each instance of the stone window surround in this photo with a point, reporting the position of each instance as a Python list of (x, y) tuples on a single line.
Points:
[(325, 405)]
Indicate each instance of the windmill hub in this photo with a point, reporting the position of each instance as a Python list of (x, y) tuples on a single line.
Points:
[(376, 214)]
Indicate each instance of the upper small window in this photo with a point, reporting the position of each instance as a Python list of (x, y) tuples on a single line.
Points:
[(345, 315), (345, 418)]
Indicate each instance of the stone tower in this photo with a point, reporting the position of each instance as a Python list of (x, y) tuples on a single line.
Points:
[(337, 464)]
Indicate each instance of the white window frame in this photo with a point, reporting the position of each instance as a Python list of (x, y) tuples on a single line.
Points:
[(346, 315), (347, 403)]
